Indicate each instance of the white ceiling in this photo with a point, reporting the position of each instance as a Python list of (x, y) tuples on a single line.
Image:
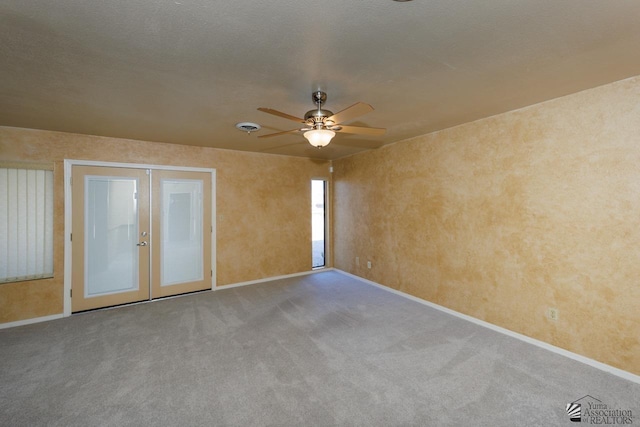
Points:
[(186, 71)]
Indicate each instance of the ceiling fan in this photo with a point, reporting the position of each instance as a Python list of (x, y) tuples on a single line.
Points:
[(320, 126)]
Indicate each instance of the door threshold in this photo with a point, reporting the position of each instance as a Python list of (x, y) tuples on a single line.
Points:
[(111, 307)]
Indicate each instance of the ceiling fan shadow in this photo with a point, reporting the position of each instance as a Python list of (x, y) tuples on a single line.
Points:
[(369, 145), (303, 149)]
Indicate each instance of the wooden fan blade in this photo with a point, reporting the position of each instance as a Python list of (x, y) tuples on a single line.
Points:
[(362, 130), (279, 133), (281, 114), (349, 113)]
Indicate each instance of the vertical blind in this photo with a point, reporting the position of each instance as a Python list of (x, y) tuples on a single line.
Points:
[(26, 222)]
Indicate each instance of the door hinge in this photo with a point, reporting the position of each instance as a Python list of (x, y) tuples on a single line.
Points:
[(70, 292), (71, 237), (211, 273)]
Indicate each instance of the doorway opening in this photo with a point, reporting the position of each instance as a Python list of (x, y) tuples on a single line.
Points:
[(318, 222)]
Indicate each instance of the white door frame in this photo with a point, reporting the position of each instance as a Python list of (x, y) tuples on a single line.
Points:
[(68, 165)]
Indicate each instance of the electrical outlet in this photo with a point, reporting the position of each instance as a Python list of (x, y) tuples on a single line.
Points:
[(368, 264), (553, 313), (357, 261)]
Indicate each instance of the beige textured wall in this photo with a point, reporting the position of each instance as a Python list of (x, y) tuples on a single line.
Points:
[(263, 207), (505, 217)]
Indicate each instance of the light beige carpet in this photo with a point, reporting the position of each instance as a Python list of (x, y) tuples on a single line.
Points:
[(318, 350)]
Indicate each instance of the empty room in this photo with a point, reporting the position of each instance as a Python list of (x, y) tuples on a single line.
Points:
[(392, 213)]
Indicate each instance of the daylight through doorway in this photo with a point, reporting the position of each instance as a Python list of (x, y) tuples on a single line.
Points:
[(318, 221)]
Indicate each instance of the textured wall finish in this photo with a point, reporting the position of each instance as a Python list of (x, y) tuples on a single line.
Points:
[(505, 217), (263, 207)]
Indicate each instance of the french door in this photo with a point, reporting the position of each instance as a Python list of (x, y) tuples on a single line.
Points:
[(181, 254), (138, 234)]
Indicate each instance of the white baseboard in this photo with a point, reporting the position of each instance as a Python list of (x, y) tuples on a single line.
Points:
[(270, 279), (234, 285), (587, 361), (30, 321)]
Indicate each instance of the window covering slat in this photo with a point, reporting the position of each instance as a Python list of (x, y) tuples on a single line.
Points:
[(26, 224)]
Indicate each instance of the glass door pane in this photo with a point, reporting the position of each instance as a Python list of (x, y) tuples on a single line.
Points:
[(110, 235), (181, 223)]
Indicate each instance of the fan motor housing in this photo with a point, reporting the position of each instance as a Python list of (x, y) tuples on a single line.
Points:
[(316, 116)]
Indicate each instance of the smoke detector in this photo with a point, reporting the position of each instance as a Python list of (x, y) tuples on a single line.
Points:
[(248, 127)]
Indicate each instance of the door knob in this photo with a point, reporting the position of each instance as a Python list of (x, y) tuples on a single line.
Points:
[(142, 244)]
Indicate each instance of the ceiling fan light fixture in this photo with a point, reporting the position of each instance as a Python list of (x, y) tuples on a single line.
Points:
[(319, 137)]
